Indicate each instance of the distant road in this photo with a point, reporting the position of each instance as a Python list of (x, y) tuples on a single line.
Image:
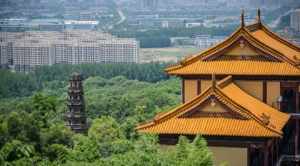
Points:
[(122, 19), (276, 22), (122, 16)]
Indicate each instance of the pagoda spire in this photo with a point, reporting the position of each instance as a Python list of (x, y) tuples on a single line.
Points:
[(243, 18), (75, 116), (258, 19)]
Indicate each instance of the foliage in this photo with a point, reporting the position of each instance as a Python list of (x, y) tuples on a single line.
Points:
[(32, 130), (15, 84), (157, 38), (154, 42), (56, 76)]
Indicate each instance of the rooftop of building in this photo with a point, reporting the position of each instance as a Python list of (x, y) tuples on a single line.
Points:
[(241, 115), (68, 37), (250, 50)]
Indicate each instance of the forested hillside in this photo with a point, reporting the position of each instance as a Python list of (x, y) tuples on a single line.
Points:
[(32, 130)]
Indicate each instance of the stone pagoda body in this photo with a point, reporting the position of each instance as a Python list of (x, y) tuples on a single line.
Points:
[(75, 116)]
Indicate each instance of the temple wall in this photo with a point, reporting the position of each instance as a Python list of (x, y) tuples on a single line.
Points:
[(190, 89), (254, 88), (231, 155), (205, 84), (273, 92)]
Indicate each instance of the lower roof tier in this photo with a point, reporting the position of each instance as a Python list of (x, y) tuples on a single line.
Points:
[(223, 109), (211, 127)]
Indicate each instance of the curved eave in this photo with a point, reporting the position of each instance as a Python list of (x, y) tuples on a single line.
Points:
[(238, 68), (277, 37), (235, 74), (272, 135), (253, 28)]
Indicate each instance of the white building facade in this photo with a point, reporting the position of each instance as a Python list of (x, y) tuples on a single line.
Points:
[(27, 50)]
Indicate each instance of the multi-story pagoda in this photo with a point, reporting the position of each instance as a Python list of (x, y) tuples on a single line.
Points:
[(75, 117), (242, 95)]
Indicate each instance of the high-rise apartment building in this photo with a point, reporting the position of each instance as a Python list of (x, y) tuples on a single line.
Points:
[(26, 50), (149, 4), (295, 20)]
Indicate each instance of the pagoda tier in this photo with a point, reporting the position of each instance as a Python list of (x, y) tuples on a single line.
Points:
[(75, 117)]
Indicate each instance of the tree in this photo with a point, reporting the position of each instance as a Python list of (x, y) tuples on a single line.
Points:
[(15, 150), (43, 108), (57, 134), (182, 149), (84, 149), (105, 129), (22, 126)]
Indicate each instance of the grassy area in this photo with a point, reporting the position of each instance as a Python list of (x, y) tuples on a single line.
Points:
[(171, 54)]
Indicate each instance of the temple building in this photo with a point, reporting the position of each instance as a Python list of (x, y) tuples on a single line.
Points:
[(242, 95), (75, 117)]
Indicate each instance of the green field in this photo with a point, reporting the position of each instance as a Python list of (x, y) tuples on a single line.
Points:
[(170, 54)]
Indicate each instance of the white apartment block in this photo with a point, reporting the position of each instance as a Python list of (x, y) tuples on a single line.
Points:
[(295, 20), (205, 41), (25, 51), (3, 54)]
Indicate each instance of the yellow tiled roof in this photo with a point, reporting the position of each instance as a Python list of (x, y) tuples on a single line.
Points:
[(266, 38), (211, 127), (238, 67), (254, 112), (277, 118)]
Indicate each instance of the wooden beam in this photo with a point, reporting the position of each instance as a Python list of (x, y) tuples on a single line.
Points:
[(183, 90), (198, 87), (265, 91)]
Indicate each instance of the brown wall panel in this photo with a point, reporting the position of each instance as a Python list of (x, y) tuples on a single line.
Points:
[(254, 88), (190, 89)]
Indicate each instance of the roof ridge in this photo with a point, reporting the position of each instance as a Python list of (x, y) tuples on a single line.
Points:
[(275, 52), (249, 113), (286, 42), (224, 82), (260, 26)]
